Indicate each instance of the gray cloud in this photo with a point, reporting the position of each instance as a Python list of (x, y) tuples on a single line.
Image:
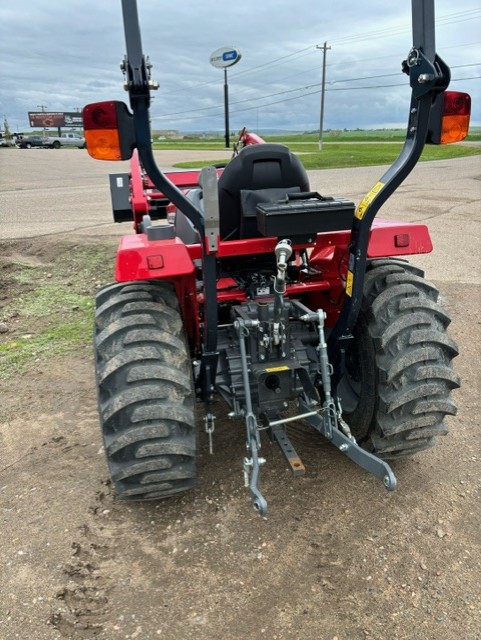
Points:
[(66, 54)]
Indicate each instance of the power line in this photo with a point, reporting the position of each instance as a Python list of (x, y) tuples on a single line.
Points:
[(304, 95), (451, 18), (310, 86), (310, 49), (342, 63), (265, 64)]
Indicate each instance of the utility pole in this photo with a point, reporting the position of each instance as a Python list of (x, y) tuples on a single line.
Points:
[(42, 108), (324, 48)]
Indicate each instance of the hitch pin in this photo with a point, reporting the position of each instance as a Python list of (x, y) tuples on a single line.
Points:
[(300, 416), (209, 420)]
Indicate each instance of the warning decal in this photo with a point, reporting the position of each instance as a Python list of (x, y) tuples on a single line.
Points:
[(366, 201), (349, 282)]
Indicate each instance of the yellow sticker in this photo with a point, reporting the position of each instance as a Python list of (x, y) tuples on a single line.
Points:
[(276, 369), (349, 282), (366, 201)]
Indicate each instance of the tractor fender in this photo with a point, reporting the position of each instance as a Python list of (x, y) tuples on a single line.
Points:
[(141, 259), (386, 238), (393, 238)]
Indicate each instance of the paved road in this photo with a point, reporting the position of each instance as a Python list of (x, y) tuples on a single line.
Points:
[(65, 192)]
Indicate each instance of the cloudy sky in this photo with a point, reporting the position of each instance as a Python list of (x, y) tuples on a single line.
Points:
[(65, 54)]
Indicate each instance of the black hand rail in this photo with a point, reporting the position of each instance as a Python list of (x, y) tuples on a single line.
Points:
[(428, 76), (137, 73)]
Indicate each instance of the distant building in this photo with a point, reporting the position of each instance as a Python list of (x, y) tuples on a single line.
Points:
[(169, 134)]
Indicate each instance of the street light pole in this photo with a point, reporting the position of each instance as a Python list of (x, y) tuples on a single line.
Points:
[(226, 110), (324, 48)]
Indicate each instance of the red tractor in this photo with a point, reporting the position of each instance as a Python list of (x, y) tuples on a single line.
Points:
[(288, 304)]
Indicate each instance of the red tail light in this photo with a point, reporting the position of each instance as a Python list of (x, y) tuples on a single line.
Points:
[(456, 104), (449, 121), (109, 133), (456, 113)]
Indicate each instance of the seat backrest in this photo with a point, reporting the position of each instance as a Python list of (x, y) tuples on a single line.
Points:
[(263, 166)]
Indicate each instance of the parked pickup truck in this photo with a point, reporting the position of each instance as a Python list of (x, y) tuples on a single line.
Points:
[(32, 141), (67, 140)]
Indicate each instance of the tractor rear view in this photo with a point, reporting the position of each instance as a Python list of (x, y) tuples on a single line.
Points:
[(287, 304)]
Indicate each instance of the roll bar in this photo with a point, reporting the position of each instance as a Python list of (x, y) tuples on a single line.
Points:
[(428, 76), (138, 83)]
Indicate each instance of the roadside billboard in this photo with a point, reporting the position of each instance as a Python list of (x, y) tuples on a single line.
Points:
[(47, 119)]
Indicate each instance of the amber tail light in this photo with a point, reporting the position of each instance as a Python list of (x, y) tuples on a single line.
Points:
[(449, 120), (109, 130)]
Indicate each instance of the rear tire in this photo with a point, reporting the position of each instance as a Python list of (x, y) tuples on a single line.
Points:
[(396, 392), (145, 390)]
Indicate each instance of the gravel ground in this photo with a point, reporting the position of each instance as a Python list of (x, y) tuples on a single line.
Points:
[(337, 557)]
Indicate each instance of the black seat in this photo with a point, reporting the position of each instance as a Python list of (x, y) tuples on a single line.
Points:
[(271, 168)]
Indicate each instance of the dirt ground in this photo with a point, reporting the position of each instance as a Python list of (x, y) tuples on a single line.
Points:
[(337, 557)]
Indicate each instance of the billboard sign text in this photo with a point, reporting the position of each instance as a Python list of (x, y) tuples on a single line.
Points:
[(46, 119)]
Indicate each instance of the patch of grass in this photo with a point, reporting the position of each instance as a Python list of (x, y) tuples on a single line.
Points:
[(51, 299), (301, 141), (204, 145), (352, 155), (338, 156), (52, 340), (374, 135), (50, 307)]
